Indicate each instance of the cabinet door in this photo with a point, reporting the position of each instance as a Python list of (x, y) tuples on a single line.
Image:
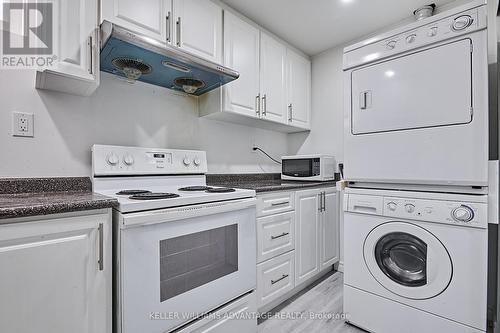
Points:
[(299, 89), (329, 230), (306, 235), (241, 52), (51, 277), (272, 78), (148, 17), (198, 28), (77, 68)]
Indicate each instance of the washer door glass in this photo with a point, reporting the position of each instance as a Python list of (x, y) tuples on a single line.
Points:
[(408, 260), (402, 257)]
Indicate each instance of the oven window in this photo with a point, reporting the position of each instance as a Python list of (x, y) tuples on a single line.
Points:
[(297, 167), (403, 258), (189, 261)]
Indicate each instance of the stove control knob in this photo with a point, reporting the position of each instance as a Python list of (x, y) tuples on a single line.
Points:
[(462, 214), (197, 161), (128, 159), (112, 159), (409, 208), (462, 22), (392, 206), (186, 161)]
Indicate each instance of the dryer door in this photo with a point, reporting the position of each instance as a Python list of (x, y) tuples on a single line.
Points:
[(408, 260)]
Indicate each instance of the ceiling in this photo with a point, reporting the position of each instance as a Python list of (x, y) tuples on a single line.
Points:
[(317, 25)]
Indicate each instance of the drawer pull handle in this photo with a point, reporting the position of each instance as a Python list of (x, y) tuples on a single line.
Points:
[(279, 236), (284, 276), (280, 203)]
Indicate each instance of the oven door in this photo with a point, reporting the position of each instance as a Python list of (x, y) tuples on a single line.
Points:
[(179, 263)]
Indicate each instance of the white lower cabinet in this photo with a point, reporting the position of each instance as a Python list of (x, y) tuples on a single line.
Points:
[(307, 231), (297, 241), (238, 316), (275, 278), (56, 274)]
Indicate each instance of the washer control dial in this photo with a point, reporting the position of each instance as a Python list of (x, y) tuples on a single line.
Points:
[(432, 32), (112, 159), (462, 214), (409, 208), (411, 38), (462, 22), (128, 159), (392, 206), (391, 45)]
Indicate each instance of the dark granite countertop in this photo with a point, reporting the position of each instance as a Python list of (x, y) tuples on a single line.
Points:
[(262, 182), (21, 197)]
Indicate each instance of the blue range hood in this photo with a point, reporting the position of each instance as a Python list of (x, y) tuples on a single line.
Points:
[(137, 57)]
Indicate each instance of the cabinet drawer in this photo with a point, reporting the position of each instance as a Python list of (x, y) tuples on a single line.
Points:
[(275, 235), (274, 203), (275, 278)]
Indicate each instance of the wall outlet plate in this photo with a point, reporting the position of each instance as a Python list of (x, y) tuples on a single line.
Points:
[(23, 124)]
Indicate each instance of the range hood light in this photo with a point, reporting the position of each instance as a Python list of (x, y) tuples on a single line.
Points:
[(132, 74), (189, 85)]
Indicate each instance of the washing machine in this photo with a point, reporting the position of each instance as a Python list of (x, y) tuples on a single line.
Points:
[(415, 261), (416, 102)]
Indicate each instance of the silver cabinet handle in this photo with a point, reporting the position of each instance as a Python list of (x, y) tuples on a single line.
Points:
[(284, 276), (264, 105), (320, 198), (257, 105), (279, 236), (290, 112), (101, 246), (168, 32), (178, 31), (280, 203), (90, 55), (324, 201)]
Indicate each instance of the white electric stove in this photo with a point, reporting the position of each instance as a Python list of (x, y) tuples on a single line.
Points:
[(181, 249)]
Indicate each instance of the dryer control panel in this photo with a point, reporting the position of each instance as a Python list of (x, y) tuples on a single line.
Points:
[(419, 34), (450, 212)]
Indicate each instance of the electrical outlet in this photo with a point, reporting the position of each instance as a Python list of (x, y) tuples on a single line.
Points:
[(22, 124)]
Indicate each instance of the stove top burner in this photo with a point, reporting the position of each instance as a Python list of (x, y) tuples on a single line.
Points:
[(195, 188), (153, 196), (220, 190), (132, 192)]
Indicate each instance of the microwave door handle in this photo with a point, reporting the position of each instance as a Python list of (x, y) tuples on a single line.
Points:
[(362, 100)]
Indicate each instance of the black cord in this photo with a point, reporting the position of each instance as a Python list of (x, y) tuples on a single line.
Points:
[(269, 156)]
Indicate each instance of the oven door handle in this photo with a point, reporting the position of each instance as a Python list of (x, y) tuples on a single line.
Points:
[(184, 212)]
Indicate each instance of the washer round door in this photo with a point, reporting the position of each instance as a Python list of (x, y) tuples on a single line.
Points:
[(408, 260)]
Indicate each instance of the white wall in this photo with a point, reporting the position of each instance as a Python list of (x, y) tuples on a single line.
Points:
[(327, 126), (118, 113)]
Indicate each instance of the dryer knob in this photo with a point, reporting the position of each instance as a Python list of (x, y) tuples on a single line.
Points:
[(463, 214), (462, 22), (392, 206), (410, 208), (391, 45)]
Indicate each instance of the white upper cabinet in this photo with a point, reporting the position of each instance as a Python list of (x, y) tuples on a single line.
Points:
[(299, 89), (241, 52), (272, 78), (193, 25), (148, 17), (77, 68), (198, 27)]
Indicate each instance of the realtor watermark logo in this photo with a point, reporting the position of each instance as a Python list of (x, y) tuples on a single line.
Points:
[(29, 34)]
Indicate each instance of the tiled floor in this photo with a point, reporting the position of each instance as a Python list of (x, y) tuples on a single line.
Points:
[(323, 298)]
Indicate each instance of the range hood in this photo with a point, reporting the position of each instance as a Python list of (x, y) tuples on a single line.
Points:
[(137, 57)]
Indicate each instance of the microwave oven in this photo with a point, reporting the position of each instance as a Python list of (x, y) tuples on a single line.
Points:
[(308, 167)]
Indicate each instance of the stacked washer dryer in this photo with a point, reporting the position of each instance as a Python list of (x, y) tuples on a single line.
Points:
[(416, 159)]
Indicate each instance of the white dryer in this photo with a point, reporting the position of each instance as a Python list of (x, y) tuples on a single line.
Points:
[(415, 261), (416, 102)]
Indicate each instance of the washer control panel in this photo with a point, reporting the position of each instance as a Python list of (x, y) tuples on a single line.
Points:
[(118, 160), (450, 212), (415, 36)]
